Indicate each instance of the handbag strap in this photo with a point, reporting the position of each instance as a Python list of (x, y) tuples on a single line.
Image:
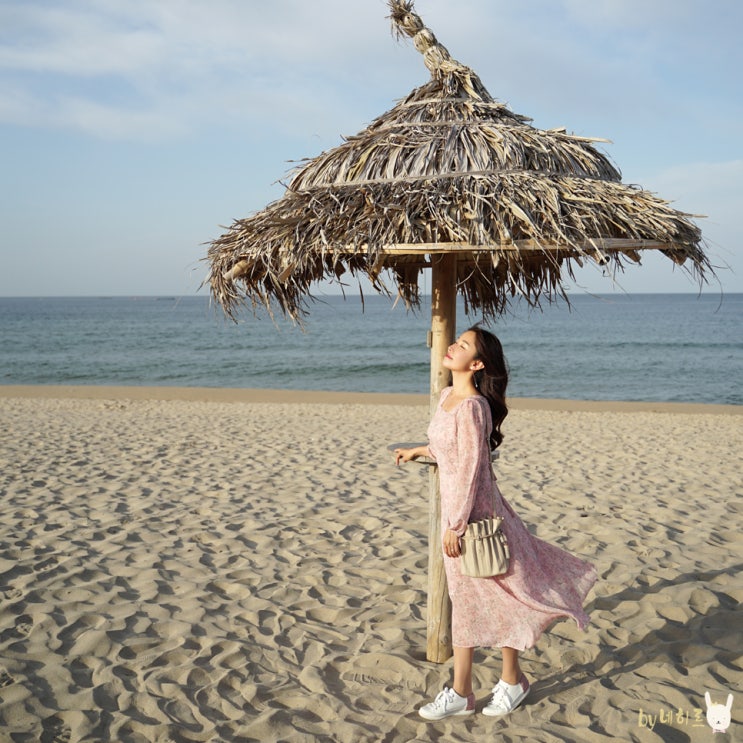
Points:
[(493, 486)]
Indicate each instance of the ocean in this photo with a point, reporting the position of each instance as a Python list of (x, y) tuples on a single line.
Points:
[(643, 347)]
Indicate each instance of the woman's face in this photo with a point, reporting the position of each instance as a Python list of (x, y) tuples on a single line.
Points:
[(460, 356)]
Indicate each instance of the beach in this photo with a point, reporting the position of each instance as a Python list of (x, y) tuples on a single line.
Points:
[(249, 565)]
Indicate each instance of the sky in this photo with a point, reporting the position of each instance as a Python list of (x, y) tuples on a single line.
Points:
[(132, 132)]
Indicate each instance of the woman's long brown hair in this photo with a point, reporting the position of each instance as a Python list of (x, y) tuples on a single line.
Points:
[(492, 380)]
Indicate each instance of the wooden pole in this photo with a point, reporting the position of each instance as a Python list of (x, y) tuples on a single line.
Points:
[(443, 323)]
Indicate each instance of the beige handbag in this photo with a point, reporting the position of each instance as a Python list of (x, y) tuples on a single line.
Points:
[(484, 549)]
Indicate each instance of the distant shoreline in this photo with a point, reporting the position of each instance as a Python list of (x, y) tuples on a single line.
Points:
[(250, 395)]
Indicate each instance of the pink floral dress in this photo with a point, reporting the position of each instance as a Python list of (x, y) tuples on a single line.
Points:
[(543, 582)]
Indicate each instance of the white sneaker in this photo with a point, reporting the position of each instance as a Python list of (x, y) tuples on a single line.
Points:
[(446, 704), (506, 697)]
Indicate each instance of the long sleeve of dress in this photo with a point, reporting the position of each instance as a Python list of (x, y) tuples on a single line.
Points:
[(473, 455)]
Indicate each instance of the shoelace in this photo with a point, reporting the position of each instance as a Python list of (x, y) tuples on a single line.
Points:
[(444, 697), (498, 696)]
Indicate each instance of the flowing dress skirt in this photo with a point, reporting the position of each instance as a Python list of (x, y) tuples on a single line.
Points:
[(543, 583)]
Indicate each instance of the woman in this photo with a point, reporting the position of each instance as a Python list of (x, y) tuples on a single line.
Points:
[(543, 583)]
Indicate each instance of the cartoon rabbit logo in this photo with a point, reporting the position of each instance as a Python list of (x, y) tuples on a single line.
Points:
[(718, 715)]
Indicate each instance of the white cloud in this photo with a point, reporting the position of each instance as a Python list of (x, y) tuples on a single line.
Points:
[(188, 61), (18, 106), (579, 63), (715, 184), (111, 122), (75, 40), (623, 14)]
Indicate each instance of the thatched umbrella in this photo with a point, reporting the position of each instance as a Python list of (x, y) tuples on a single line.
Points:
[(452, 180)]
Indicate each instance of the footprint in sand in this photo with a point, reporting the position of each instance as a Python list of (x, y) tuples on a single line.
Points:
[(23, 625), (55, 730), (12, 593), (46, 565), (85, 636), (82, 673), (379, 669)]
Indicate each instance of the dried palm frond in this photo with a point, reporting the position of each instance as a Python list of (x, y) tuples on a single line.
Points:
[(448, 169)]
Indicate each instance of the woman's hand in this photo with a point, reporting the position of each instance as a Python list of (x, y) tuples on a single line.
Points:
[(405, 455), (452, 547)]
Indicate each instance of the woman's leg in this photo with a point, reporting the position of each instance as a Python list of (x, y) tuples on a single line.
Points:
[(458, 698), (463, 671), (511, 690), (511, 669)]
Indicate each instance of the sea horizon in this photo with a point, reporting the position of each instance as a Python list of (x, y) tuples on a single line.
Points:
[(351, 293)]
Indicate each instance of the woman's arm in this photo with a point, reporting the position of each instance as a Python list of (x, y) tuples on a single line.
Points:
[(472, 448)]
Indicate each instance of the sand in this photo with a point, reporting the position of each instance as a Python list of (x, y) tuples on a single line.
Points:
[(220, 565)]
